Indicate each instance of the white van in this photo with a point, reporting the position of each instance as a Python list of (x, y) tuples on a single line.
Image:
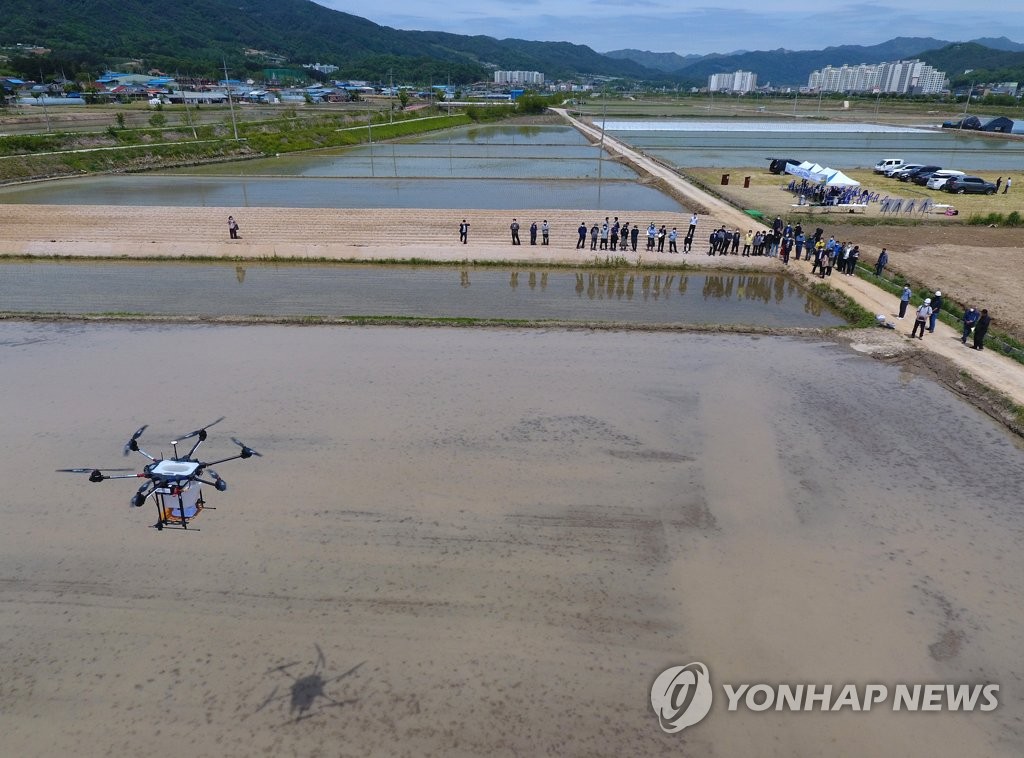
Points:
[(939, 178), (889, 163)]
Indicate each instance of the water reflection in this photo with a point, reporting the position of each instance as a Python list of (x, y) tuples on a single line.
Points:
[(258, 289)]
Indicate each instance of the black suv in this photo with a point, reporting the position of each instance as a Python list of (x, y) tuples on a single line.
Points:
[(908, 176), (778, 165), (969, 185)]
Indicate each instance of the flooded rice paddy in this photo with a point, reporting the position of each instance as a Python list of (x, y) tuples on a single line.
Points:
[(246, 289), (451, 525), (730, 144), (470, 542), (491, 167)]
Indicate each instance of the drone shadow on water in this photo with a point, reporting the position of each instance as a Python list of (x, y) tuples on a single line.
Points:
[(307, 694)]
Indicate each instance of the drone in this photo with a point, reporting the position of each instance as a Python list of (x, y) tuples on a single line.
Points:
[(173, 482)]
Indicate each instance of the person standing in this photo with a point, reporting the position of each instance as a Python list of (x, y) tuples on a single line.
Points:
[(661, 239), (688, 240), (652, 232), (672, 240), (624, 242), (981, 329), (999, 181), (582, 241), (605, 230), (905, 300), (693, 226), (594, 231), (747, 241), (883, 261), (232, 228), (615, 234), (464, 232), (921, 320), (514, 228), (634, 235), (533, 233), (1006, 189), (544, 230), (936, 307), (970, 319)]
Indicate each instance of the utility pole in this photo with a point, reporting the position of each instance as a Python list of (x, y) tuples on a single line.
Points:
[(369, 132), (231, 102), (967, 103), (391, 96), (46, 112), (188, 116), (600, 145)]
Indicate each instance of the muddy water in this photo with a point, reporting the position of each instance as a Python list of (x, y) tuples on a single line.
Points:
[(496, 541), (439, 292)]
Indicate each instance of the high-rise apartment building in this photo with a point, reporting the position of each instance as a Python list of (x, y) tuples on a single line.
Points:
[(736, 81), (900, 77), (518, 77)]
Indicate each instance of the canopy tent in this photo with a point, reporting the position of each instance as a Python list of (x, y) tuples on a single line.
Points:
[(808, 170), (839, 179), (813, 172)]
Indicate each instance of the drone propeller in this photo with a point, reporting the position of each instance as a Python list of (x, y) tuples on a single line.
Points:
[(247, 451), (132, 444), (89, 470), (218, 482), (200, 431), (95, 475), (139, 498)]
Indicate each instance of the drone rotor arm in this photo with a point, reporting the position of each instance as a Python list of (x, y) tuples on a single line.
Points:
[(139, 498)]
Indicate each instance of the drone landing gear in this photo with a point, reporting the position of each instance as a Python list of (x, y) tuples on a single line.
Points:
[(178, 506)]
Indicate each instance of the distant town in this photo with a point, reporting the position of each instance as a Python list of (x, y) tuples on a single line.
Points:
[(312, 83)]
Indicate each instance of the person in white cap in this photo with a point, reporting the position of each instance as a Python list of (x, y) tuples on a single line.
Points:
[(923, 314), (936, 307)]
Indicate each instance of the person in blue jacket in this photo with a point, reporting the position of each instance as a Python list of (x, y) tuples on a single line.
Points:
[(970, 318), (904, 300), (883, 261)]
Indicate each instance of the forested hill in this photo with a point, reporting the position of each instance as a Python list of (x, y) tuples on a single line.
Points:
[(197, 34)]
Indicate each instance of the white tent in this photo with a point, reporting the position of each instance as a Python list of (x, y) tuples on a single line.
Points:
[(839, 179), (807, 170)]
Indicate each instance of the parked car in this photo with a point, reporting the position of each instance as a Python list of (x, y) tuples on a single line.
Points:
[(939, 178), (778, 165), (888, 164), (922, 178), (894, 173), (969, 185), (909, 175)]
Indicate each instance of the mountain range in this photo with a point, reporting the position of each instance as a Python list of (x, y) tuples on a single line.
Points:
[(794, 66), (252, 34)]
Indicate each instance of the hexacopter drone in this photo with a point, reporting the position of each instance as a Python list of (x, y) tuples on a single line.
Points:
[(173, 482)]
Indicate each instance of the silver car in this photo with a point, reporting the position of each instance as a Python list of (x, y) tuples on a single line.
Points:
[(939, 178)]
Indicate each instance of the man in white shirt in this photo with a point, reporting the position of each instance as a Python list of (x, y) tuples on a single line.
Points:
[(923, 314)]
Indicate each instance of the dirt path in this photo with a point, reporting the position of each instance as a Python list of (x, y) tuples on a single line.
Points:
[(335, 234)]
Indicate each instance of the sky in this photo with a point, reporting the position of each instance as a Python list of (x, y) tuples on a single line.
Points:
[(686, 28)]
